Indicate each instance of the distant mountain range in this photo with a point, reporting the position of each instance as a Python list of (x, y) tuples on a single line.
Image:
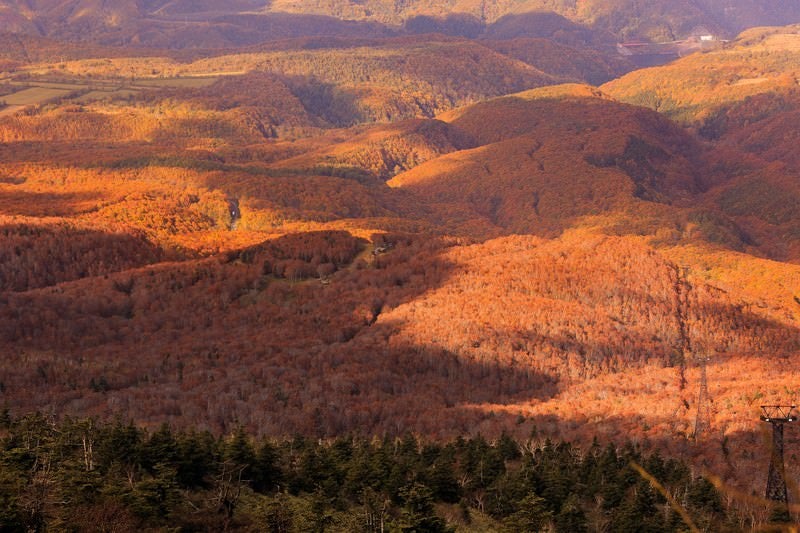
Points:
[(175, 23), (661, 19)]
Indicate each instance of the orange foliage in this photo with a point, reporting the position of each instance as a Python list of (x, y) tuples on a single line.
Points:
[(220, 256)]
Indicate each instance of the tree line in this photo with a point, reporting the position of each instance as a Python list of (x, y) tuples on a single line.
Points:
[(85, 475)]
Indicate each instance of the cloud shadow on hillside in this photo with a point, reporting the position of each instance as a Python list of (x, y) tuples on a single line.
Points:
[(323, 346), (547, 25), (278, 356), (46, 204)]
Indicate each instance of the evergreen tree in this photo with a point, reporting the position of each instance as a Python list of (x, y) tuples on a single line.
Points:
[(278, 514), (531, 515), (440, 477), (120, 446), (638, 513), (239, 451), (154, 497), (159, 449), (196, 457), (266, 473), (571, 518), (10, 513), (418, 515), (507, 448)]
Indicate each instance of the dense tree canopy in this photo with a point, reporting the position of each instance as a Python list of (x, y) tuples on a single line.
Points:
[(78, 474)]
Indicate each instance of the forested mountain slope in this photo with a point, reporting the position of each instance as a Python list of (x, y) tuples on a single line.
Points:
[(136, 479), (329, 302), (743, 98), (324, 235)]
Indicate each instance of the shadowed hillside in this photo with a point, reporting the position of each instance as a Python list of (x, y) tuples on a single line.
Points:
[(571, 64)]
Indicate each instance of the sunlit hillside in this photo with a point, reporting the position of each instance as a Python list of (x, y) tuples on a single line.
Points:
[(744, 98), (695, 89), (569, 153)]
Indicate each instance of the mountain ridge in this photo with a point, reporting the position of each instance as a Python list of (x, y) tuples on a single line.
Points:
[(587, 22)]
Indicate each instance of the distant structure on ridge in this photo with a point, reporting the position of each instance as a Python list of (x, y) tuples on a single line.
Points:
[(647, 53)]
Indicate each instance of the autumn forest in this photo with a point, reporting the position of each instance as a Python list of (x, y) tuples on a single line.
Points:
[(376, 266)]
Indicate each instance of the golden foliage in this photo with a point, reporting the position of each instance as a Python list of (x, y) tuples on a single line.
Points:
[(693, 89)]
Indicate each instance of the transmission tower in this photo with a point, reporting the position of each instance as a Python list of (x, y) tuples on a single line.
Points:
[(682, 289), (683, 347), (778, 416), (702, 422)]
